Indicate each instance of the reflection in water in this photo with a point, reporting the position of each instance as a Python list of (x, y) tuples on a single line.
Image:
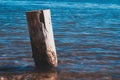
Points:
[(30, 75), (87, 40)]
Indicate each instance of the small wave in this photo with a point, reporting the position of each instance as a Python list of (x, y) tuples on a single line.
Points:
[(102, 6), (22, 2), (53, 4), (91, 6)]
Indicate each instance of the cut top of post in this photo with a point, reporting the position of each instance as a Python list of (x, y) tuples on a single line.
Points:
[(42, 40)]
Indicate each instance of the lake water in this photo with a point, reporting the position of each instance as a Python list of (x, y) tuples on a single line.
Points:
[(87, 37)]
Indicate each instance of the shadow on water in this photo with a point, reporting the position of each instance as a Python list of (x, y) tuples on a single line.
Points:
[(26, 73)]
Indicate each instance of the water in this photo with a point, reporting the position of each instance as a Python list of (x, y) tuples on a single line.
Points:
[(87, 37)]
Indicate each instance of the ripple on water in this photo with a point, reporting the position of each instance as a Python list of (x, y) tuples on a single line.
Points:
[(86, 36)]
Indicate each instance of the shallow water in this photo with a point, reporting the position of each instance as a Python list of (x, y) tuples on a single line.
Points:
[(87, 37)]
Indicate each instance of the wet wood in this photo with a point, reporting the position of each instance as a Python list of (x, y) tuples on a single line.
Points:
[(42, 40)]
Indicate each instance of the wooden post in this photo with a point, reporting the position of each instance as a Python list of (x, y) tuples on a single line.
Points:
[(42, 40)]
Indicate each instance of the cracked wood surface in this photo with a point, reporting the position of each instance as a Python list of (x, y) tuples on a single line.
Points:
[(42, 40)]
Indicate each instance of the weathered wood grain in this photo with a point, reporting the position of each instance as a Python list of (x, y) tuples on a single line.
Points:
[(42, 40)]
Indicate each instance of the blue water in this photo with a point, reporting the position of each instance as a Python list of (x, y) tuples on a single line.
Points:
[(87, 37)]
